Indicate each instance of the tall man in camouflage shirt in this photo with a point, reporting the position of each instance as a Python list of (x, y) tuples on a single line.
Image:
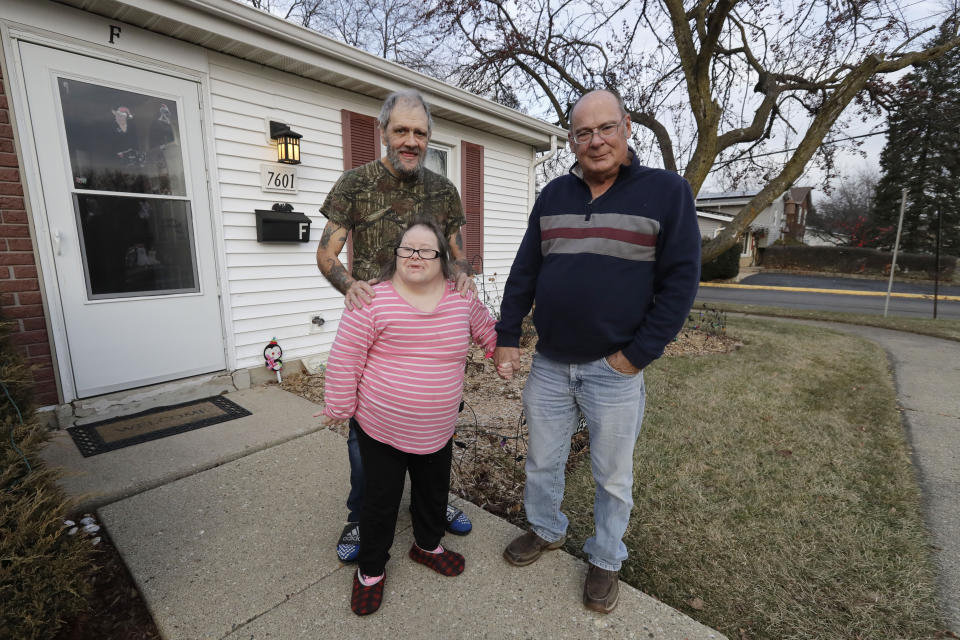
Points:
[(376, 202)]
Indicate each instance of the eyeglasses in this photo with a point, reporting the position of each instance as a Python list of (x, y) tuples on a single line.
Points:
[(607, 131), (425, 254)]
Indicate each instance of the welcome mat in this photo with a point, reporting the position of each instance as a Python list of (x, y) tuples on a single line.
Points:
[(117, 433)]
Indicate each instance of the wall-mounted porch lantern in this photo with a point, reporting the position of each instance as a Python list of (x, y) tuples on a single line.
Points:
[(288, 142)]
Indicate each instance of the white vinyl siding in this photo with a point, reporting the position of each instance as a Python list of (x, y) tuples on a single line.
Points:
[(275, 288), (708, 228), (506, 209)]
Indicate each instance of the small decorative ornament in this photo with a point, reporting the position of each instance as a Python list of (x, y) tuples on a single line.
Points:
[(272, 353)]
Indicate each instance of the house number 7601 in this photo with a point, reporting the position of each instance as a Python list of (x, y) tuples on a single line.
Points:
[(278, 178)]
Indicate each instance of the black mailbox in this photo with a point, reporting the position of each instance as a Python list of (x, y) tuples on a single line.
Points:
[(282, 226)]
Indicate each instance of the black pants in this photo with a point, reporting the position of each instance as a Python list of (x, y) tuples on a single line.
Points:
[(385, 469)]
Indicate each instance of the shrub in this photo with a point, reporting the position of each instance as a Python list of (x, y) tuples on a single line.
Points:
[(43, 571), (723, 267), (711, 320), (856, 260)]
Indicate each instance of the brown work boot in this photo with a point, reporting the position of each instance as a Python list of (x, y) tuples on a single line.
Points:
[(601, 589), (527, 548)]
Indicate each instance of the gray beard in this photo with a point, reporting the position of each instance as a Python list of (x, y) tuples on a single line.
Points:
[(394, 159)]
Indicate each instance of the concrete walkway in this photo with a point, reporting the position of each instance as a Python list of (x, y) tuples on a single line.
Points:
[(926, 372), (229, 532)]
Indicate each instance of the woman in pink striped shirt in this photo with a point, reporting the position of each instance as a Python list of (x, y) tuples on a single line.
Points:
[(396, 371)]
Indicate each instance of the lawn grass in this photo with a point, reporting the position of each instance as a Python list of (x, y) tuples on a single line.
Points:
[(774, 492), (948, 329)]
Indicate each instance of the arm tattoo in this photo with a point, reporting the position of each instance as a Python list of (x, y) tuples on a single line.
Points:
[(327, 234), (460, 242), (339, 277), (333, 239)]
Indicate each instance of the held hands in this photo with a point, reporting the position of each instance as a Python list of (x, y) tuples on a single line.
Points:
[(507, 360), (360, 293), (327, 421)]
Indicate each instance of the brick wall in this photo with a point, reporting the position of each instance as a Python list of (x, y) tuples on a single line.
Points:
[(20, 301)]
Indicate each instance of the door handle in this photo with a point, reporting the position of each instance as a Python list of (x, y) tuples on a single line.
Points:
[(57, 242)]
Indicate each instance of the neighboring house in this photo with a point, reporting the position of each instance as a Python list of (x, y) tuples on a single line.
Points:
[(784, 217), (711, 223), (796, 206), (135, 148)]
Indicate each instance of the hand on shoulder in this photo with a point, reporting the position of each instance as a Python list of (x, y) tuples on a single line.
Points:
[(466, 286), (360, 293)]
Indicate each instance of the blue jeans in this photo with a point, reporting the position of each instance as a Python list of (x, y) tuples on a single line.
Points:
[(357, 479), (612, 403)]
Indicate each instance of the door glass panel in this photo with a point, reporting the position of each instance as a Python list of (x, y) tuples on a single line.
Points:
[(120, 140), (136, 246)]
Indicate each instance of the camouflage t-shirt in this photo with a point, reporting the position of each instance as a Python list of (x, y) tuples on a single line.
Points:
[(377, 206)]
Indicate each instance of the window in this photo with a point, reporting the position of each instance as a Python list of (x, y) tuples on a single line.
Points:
[(436, 160), (129, 191)]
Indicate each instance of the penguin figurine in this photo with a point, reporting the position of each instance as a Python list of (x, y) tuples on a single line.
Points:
[(272, 354)]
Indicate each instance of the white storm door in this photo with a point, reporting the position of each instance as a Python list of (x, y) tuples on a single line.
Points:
[(128, 219)]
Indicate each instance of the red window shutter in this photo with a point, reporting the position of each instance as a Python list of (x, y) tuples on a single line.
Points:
[(361, 139), (361, 144), (471, 175)]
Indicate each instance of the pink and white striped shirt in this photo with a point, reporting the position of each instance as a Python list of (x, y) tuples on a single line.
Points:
[(399, 371)]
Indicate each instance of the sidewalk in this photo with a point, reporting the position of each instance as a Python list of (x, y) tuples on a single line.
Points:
[(229, 532)]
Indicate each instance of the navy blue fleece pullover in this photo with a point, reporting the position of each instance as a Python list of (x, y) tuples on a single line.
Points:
[(616, 273)]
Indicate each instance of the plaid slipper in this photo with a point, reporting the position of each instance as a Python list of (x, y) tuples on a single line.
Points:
[(348, 546), (457, 521), (365, 600), (446, 563)]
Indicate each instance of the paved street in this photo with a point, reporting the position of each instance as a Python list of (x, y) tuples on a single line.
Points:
[(851, 295)]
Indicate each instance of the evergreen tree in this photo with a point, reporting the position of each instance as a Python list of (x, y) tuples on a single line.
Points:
[(923, 156)]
